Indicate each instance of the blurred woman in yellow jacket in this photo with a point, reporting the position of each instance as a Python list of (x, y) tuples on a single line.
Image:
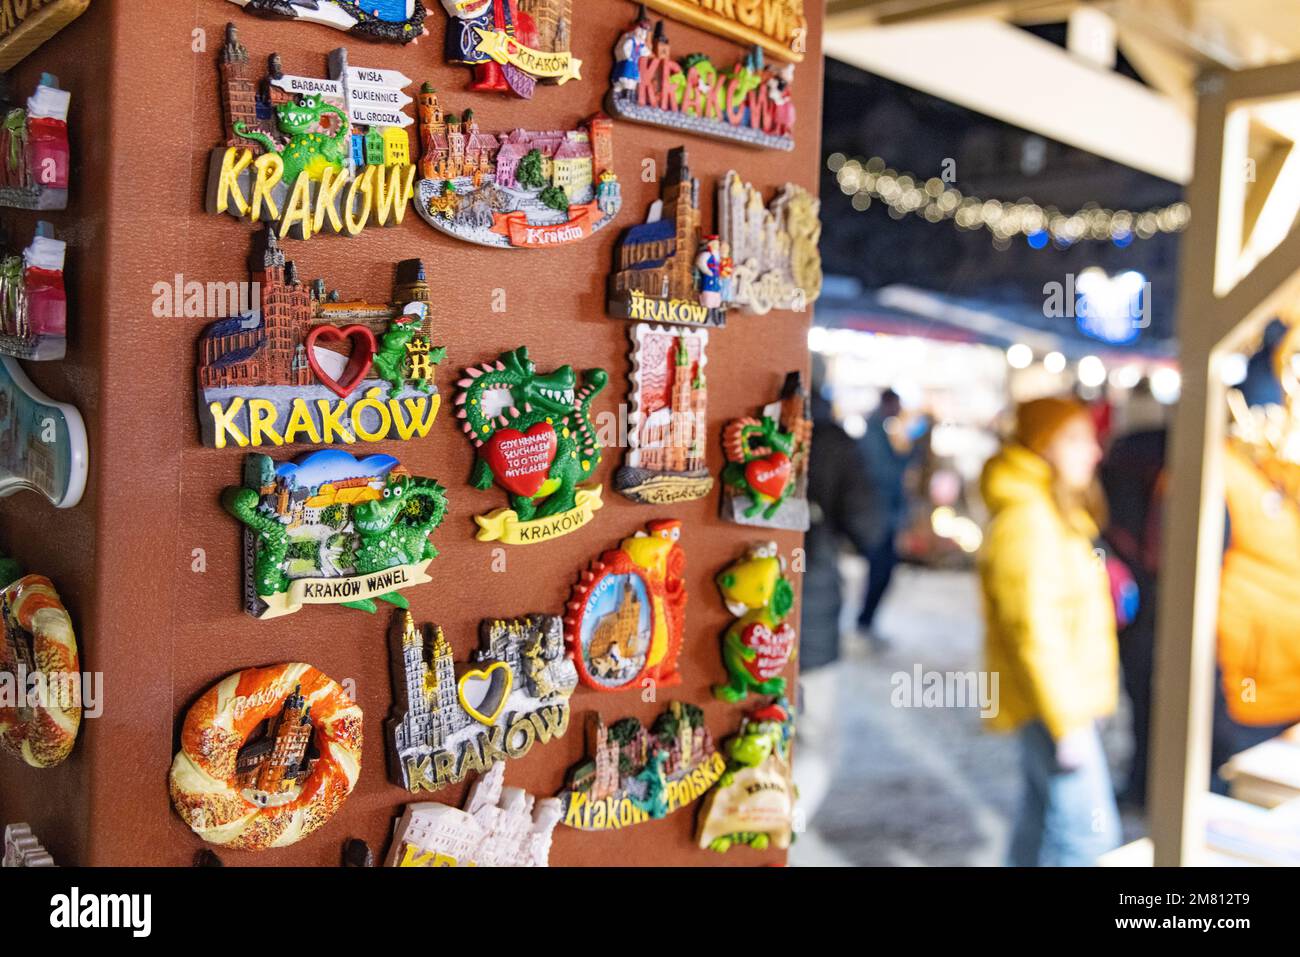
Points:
[(1050, 631)]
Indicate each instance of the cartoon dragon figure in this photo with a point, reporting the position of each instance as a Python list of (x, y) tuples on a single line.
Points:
[(308, 150), (509, 394), (763, 745), (751, 444), (394, 361), (759, 642), (648, 789)]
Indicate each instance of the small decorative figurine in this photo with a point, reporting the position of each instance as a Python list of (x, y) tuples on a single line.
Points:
[(519, 189), (772, 251), (332, 529), (308, 366), (267, 756), (311, 155), (25, 26), (512, 44), (499, 827), (22, 849), (633, 775), (33, 302), (401, 21), (40, 673), (667, 423), (753, 803), (534, 436), (765, 481), (779, 27), (42, 442), (34, 147), (745, 103), (513, 693), (627, 614), (760, 642)]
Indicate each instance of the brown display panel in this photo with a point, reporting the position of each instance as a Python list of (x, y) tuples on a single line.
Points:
[(143, 77)]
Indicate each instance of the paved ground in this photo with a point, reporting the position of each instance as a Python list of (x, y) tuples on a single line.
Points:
[(909, 786)]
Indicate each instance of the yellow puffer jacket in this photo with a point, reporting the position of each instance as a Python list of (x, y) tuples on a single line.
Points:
[(1049, 620)]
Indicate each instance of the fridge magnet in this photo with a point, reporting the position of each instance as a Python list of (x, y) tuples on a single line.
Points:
[(514, 189), (449, 720), (511, 45), (34, 147), (40, 674), (22, 849), (311, 155), (498, 827), (267, 756), (26, 25), (765, 481), (753, 803), (633, 774), (534, 437), (667, 417), (627, 614), (42, 442), (399, 21), (779, 26), (770, 251), (311, 367), (744, 103), (330, 529), (33, 302), (760, 642), (658, 278)]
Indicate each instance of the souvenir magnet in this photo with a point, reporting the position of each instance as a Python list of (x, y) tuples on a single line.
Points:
[(25, 26), (331, 529), (34, 152), (267, 756), (633, 775), (514, 692), (512, 44), (760, 643), (765, 481), (514, 189), (311, 154), (534, 437), (42, 442), (753, 803), (311, 367), (401, 21), (771, 251), (499, 827), (22, 849), (33, 302), (778, 26)]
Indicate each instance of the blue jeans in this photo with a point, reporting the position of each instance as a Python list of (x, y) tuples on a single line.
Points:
[(1067, 818)]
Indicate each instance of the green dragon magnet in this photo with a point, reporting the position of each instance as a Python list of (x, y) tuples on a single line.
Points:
[(765, 481), (534, 437), (331, 529)]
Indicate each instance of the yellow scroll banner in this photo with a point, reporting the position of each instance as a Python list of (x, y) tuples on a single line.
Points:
[(500, 46), (335, 591), (503, 525)]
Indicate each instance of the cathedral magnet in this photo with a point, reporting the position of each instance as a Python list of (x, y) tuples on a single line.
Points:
[(773, 248), (760, 643), (35, 151), (511, 45), (765, 481), (44, 447), (331, 529), (753, 803), (33, 302), (23, 849), (399, 21)]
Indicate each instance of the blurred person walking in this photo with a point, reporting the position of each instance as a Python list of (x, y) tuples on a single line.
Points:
[(1050, 631)]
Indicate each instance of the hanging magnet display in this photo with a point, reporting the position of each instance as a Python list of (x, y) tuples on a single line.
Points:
[(765, 481), (26, 25), (760, 643), (42, 442), (399, 21), (34, 151), (331, 529), (753, 803), (511, 45), (772, 250), (33, 301), (779, 26)]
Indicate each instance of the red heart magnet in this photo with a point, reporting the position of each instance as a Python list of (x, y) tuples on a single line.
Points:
[(768, 476), (520, 460), (773, 647), (359, 361)]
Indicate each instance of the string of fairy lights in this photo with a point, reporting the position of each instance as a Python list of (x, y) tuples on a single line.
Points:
[(936, 201)]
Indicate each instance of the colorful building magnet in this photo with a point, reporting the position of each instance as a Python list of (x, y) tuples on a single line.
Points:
[(765, 481), (22, 849), (513, 693), (309, 366), (512, 44), (771, 251), (633, 775), (42, 442), (535, 438), (499, 827), (332, 529), (667, 417), (520, 189), (25, 26), (744, 103), (779, 26), (753, 803), (267, 756), (34, 152), (33, 302), (627, 614), (401, 21), (311, 154), (760, 643)]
